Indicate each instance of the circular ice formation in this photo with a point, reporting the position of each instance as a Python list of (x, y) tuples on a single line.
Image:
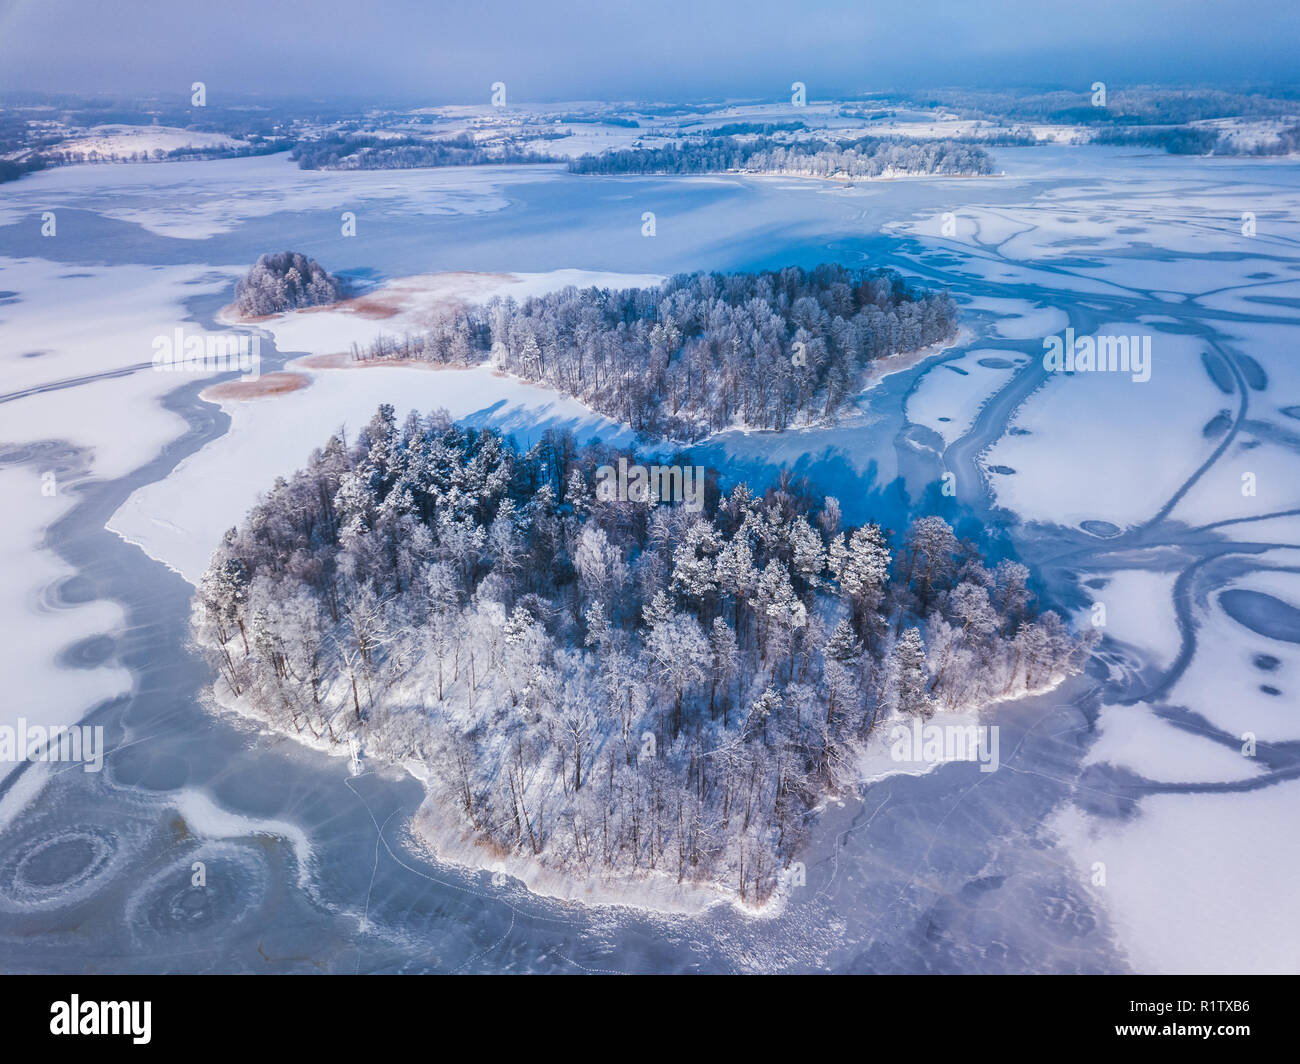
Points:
[(205, 902), (1103, 529), (57, 867)]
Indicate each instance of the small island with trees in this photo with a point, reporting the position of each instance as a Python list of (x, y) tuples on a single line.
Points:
[(700, 353), (285, 280), (859, 157)]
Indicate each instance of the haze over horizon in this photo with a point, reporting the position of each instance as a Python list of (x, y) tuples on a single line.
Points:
[(570, 50)]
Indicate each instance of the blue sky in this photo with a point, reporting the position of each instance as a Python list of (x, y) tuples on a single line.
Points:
[(669, 49)]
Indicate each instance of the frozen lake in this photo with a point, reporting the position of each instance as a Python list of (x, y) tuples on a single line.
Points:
[(1124, 494)]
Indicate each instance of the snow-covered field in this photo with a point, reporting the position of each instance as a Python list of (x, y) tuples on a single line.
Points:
[(123, 142)]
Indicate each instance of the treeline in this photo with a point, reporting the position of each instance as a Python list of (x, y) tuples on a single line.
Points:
[(1018, 137), (285, 280), (733, 129), (13, 169), (1201, 140), (1133, 105), (863, 157), (1287, 143), (1180, 140), (255, 146), (359, 152), (613, 688), (19, 139), (868, 114), (702, 352), (598, 120)]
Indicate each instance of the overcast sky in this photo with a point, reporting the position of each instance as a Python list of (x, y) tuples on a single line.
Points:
[(566, 49)]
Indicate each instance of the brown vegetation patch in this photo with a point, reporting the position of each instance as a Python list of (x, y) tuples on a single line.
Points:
[(398, 296), (270, 384), (370, 307)]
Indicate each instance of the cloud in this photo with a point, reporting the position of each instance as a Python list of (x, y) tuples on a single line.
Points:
[(565, 49)]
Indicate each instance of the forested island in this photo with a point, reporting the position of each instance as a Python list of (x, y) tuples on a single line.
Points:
[(285, 280), (811, 157), (611, 690), (702, 352)]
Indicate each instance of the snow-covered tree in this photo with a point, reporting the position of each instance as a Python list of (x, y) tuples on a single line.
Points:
[(607, 689), (910, 685)]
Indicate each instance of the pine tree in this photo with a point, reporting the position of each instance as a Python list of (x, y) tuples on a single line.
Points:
[(726, 658), (860, 562), (910, 686)]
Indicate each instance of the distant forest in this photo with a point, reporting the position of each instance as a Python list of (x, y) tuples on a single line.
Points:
[(813, 157), (359, 152), (702, 352), (1141, 116), (1135, 105), (609, 687), (11, 170), (1198, 140)]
